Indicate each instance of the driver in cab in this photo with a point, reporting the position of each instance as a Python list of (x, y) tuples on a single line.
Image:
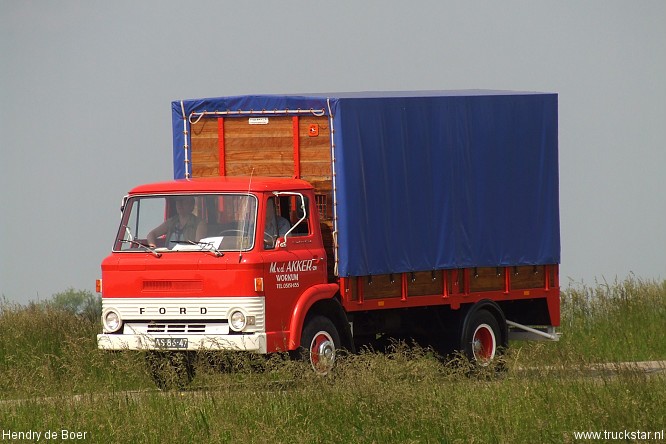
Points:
[(183, 226)]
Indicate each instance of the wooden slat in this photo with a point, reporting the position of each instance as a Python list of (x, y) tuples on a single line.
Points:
[(424, 283), (527, 277), (379, 287), (204, 128), (390, 286), (265, 169), (240, 126), (205, 171), (204, 155), (315, 156), (487, 279)]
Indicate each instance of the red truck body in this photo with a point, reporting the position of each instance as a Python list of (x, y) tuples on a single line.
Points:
[(314, 285)]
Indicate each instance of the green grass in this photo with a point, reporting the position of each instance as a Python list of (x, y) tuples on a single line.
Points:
[(622, 321), (54, 378)]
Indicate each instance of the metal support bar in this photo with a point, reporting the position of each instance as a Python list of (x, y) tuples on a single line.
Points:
[(220, 145), (539, 334), (185, 146), (359, 290), (335, 189), (194, 117), (297, 148), (445, 283)]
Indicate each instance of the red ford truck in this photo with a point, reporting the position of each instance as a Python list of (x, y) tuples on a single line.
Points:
[(310, 223)]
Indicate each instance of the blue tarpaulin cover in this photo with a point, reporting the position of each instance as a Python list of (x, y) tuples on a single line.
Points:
[(431, 180)]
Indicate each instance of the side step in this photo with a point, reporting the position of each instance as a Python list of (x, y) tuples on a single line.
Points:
[(521, 332)]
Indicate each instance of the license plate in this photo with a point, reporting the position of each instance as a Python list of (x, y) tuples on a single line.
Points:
[(171, 343)]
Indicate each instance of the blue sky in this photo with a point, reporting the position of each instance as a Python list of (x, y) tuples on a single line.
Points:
[(85, 91)]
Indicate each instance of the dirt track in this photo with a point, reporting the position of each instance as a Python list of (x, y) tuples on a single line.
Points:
[(609, 368), (588, 370)]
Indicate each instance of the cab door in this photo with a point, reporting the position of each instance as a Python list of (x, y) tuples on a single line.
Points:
[(294, 257)]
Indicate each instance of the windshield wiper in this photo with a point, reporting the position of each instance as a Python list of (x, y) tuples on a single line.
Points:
[(205, 246), (142, 246)]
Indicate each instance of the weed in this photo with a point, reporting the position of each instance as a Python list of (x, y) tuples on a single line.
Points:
[(54, 378)]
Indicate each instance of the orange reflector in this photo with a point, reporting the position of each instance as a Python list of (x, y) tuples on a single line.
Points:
[(259, 284), (98, 285)]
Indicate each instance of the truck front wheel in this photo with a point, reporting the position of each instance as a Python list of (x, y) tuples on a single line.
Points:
[(481, 338), (320, 342)]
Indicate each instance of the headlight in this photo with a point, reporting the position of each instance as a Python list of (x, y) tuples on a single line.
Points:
[(237, 320), (111, 321)]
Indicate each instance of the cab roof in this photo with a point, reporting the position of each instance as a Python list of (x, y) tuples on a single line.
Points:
[(222, 184)]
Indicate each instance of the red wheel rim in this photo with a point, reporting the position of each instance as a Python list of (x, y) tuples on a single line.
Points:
[(483, 344), (322, 352)]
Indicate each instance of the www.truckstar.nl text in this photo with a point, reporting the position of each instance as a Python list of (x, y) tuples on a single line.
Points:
[(620, 435)]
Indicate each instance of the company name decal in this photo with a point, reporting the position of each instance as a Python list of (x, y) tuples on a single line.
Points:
[(291, 266), (286, 273)]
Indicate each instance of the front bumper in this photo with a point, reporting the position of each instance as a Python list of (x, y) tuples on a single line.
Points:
[(250, 343)]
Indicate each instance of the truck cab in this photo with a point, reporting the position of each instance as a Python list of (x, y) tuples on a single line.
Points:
[(257, 249)]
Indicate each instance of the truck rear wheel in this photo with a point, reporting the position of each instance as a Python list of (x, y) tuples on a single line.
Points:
[(481, 338), (320, 343)]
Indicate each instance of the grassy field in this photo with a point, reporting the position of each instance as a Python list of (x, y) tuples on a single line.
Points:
[(53, 379)]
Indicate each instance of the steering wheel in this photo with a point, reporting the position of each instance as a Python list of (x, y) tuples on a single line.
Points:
[(269, 240)]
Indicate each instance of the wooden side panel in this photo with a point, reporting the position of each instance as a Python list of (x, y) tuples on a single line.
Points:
[(381, 286), (487, 279), (384, 286), (259, 150), (205, 149), (491, 282), (425, 283), (263, 149), (315, 151), (527, 277)]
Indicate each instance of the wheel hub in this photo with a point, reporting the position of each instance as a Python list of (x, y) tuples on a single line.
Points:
[(322, 353), (483, 344)]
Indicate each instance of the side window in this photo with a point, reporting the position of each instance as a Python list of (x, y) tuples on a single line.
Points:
[(284, 215), (302, 228), (276, 225)]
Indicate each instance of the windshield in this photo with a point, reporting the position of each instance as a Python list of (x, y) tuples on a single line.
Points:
[(192, 222)]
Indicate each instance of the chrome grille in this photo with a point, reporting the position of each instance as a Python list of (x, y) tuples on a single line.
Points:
[(211, 328), (176, 328)]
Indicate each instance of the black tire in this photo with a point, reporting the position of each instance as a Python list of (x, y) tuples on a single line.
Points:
[(170, 370), (481, 339), (320, 344)]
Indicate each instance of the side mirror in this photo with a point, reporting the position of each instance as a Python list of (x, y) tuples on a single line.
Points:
[(123, 203)]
